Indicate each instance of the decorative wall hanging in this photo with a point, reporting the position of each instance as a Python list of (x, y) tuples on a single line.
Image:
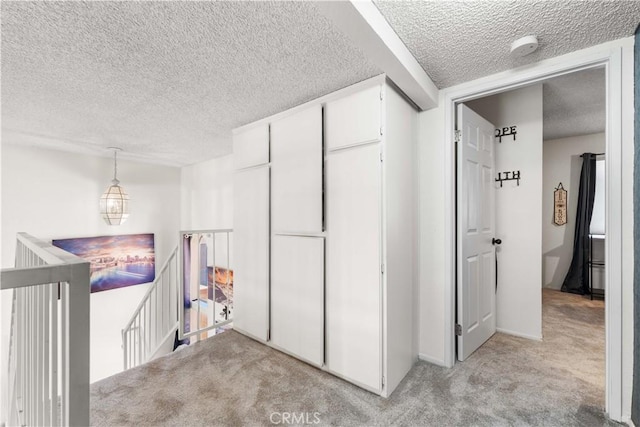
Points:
[(508, 131), (508, 176), (560, 205), (114, 203), (116, 261)]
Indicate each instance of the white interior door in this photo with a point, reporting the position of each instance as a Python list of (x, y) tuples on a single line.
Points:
[(476, 283), (297, 296), (353, 288)]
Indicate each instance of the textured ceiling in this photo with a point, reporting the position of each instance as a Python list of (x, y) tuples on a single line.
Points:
[(574, 104), (458, 41), (166, 81)]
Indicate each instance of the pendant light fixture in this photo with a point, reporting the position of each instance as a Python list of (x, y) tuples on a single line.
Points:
[(114, 203)]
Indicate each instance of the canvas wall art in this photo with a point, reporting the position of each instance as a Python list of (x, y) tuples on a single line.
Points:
[(116, 261)]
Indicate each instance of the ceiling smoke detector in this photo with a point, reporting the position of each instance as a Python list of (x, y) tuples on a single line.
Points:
[(524, 46)]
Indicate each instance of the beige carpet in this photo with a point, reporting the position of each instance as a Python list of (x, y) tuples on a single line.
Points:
[(232, 380)]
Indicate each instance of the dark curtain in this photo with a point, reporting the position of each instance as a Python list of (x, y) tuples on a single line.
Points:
[(576, 281)]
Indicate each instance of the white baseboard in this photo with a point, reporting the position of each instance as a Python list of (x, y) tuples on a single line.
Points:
[(519, 334), (629, 422), (430, 359)]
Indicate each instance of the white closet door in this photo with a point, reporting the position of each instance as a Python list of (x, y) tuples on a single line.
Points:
[(297, 296), (251, 251), (251, 147), (296, 172), (353, 286), (355, 119)]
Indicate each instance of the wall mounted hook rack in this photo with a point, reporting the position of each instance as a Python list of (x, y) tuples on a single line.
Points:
[(508, 176), (508, 131)]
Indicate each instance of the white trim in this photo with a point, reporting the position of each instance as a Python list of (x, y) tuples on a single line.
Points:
[(426, 358), (613, 242), (627, 252), (519, 334), (368, 29), (619, 121)]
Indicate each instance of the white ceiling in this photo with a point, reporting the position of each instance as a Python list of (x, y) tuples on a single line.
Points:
[(167, 81), (459, 41), (574, 104)]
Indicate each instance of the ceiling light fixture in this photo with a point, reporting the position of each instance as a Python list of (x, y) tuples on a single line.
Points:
[(524, 46), (114, 203)]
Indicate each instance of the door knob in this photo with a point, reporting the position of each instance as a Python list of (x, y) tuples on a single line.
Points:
[(495, 241)]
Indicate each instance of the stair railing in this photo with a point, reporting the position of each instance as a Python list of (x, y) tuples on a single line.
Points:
[(155, 320), (48, 371), (192, 328)]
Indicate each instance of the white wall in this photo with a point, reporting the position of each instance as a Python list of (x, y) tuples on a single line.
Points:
[(52, 194), (562, 163), (207, 194), (518, 209)]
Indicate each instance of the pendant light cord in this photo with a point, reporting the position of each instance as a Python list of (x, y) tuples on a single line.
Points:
[(115, 166)]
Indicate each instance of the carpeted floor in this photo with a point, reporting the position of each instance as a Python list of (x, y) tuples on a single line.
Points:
[(232, 380)]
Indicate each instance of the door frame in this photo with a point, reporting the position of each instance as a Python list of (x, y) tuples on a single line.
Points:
[(617, 59)]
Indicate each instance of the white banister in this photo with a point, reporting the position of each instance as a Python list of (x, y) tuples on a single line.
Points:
[(48, 372), (155, 320)]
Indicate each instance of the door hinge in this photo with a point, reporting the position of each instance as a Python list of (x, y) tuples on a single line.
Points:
[(458, 330), (382, 268), (381, 156), (383, 382), (381, 92), (381, 130), (457, 135)]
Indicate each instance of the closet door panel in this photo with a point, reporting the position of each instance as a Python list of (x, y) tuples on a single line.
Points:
[(355, 119), (353, 286), (297, 296), (251, 147), (296, 172), (251, 251)]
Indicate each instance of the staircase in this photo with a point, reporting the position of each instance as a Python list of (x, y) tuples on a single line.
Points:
[(151, 331), (154, 326)]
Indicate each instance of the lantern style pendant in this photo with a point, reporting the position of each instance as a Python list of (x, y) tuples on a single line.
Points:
[(114, 203)]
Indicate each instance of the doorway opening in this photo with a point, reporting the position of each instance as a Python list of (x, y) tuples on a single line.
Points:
[(514, 249), (617, 58)]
